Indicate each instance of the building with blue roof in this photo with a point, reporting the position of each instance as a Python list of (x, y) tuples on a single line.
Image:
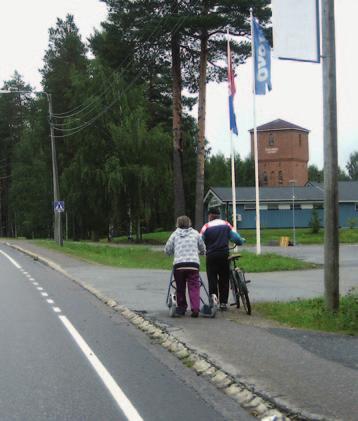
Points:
[(277, 204)]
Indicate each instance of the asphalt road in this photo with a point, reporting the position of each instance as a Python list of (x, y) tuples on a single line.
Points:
[(66, 356), (313, 372)]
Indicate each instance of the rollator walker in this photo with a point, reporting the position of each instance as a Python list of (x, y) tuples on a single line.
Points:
[(209, 307)]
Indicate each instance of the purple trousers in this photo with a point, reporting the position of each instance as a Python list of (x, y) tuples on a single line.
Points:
[(190, 277)]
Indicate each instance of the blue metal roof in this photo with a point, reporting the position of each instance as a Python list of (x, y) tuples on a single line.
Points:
[(312, 192)]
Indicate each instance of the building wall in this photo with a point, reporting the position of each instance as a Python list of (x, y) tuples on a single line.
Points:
[(283, 156), (283, 218)]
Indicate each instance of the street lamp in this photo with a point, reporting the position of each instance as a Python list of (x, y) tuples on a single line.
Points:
[(293, 182), (56, 190)]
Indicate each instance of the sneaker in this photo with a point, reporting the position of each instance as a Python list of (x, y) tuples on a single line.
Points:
[(194, 314), (223, 306)]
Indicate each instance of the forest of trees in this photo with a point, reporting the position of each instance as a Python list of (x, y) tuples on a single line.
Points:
[(128, 151)]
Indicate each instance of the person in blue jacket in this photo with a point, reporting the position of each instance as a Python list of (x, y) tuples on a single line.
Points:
[(216, 235)]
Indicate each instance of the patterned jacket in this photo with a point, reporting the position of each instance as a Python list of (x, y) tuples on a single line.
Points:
[(185, 245)]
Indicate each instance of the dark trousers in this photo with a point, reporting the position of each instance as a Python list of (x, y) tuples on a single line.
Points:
[(218, 272)]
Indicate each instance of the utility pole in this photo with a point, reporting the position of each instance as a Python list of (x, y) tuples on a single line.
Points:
[(56, 190), (331, 238)]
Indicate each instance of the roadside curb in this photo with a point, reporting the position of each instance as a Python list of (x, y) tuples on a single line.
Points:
[(257, 403)]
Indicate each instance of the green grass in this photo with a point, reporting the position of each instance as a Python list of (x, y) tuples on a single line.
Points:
[(126, 257), (311, 314), (303, 236), (270, 262), (143, 257), (155, 238)]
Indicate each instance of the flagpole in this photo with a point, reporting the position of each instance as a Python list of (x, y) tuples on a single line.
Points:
[(257, 193), (233, 186)]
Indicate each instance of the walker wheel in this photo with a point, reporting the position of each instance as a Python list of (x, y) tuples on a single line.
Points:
[(172, 304), (213, 305)]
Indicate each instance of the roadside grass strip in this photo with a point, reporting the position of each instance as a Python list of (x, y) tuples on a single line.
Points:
[(268, 235), (312, 314), (141, 257)]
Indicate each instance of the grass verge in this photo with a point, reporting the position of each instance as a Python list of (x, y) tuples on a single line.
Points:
[(303, 236), (141, 257), (311, 314)]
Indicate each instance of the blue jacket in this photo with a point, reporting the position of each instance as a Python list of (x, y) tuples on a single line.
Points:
[(216, 235)]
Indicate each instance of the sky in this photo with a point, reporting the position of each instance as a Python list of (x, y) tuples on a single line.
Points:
[(296, 95)]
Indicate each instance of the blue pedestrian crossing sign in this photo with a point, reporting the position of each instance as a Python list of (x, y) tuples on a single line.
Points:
[(59, 206)]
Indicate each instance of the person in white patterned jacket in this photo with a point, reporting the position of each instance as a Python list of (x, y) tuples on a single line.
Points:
[(185, 243)]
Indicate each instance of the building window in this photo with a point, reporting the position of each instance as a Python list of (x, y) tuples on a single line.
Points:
[(250, 207), (297, 206), (356, 207), (280, 177), (264, 179), (272, 175), (300, 139), (318, 206), (272, 206), (271, 140)]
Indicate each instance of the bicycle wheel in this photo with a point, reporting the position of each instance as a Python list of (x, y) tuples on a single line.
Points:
[(234, 285), (244, 293)]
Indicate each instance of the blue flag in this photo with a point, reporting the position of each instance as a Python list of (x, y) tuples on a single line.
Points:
[(262, 60)]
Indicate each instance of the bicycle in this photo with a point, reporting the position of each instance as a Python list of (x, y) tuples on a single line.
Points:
[(238, 284)]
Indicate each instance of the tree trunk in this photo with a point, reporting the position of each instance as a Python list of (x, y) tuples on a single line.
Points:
[(179, 198), (200, 167)]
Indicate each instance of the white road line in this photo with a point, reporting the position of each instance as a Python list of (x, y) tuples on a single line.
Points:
[(40, 288), (44, 294), (50, 301), (35, 283), (56, 309), (123, 402), (14, 262), (31, 278)]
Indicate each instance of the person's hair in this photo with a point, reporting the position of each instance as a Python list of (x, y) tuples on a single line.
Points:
[(183, 222), (214, 212)]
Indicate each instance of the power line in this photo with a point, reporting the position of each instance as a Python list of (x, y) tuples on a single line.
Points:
[(86, 124), (77, 110)]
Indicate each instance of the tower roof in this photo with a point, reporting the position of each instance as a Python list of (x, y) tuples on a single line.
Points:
[(279, 125)]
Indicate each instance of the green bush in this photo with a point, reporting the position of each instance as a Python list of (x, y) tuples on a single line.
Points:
[(315, 223), (352, 222)]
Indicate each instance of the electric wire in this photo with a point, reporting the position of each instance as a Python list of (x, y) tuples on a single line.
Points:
[(59, 125), (86, 124), (129, 63)]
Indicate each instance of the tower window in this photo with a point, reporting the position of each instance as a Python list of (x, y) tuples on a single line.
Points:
[(264, 179), (271, 140), (280, 177), (300, 139)]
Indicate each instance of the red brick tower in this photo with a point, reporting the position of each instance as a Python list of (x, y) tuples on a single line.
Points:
[(282, 153)]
